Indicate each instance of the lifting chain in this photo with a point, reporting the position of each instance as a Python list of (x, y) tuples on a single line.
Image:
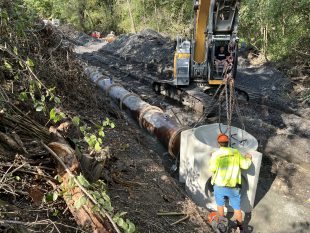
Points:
[(230, 96)]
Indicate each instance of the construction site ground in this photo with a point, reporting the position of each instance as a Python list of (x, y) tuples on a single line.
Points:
[(138, 173), (282, 200)]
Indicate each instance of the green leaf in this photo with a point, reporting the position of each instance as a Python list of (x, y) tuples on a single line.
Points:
[(76, 121), (131, 227), (106, 122), (23, 96), (82, 201), (57, 100), (7, 65), (96, 195), (62, 115), (118, 215), (105, 197), (120, 222), (21, 64), (101, 133), (97, 146), (68, 196), (95, 208), (112, 125), (49, 197), (83, 128), (71, 183), (55, 212), (29, 62), (15, 50), (39, 108), (55, 195), (58, 178), (39, 85), (52, 113), (83, 181), (107, 206)]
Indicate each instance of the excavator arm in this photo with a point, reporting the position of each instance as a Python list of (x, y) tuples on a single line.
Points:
[(202, 11)]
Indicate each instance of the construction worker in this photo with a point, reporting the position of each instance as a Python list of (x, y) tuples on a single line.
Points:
[(226, 164), (221, 59)]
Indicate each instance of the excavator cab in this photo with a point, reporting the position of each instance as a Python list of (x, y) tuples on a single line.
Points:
[(219, 69)]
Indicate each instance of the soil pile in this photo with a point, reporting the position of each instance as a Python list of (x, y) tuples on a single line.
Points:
[(76, 37), (147, 47)]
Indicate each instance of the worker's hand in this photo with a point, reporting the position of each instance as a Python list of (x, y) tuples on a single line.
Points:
[(248, 156)]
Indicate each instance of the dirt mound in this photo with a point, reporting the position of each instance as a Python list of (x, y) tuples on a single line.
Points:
[(77, 37), (148, 46)]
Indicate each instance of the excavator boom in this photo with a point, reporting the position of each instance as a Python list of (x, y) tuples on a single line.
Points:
[(202, 18)]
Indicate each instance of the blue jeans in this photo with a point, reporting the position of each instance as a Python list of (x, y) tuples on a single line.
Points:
[(232, 193)]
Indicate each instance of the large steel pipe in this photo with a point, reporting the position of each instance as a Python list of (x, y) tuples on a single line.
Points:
[(149, 117)]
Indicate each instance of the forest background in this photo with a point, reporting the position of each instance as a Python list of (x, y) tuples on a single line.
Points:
[(277, 28)]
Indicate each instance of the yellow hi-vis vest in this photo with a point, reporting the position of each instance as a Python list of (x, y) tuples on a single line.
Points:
[(226, 164)]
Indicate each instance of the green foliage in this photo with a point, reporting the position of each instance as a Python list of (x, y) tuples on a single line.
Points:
[(126, 225), (52, 196), (56, 115), (80, 202), (98, 191), (83, 181), (168, 17), (85, 15), (278, 28), (94, 139)]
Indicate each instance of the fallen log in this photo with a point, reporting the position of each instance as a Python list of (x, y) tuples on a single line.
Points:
[(84, 216)]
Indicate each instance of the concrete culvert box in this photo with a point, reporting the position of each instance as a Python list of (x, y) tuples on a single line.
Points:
[(197, 146)]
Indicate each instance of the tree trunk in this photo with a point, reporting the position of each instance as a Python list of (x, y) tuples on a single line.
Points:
[(156, 15), (133, 27), (81, 13)]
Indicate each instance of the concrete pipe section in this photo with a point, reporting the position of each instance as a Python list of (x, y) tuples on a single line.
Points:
[(149, 117), (197, 145)]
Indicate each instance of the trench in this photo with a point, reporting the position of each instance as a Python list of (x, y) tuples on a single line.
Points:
[(261, 121)]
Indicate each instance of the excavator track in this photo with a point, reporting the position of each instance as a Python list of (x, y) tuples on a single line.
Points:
[(202, 100), (191, 97)]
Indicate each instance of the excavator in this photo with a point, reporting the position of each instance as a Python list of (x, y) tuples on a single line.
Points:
[(197, 70)]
